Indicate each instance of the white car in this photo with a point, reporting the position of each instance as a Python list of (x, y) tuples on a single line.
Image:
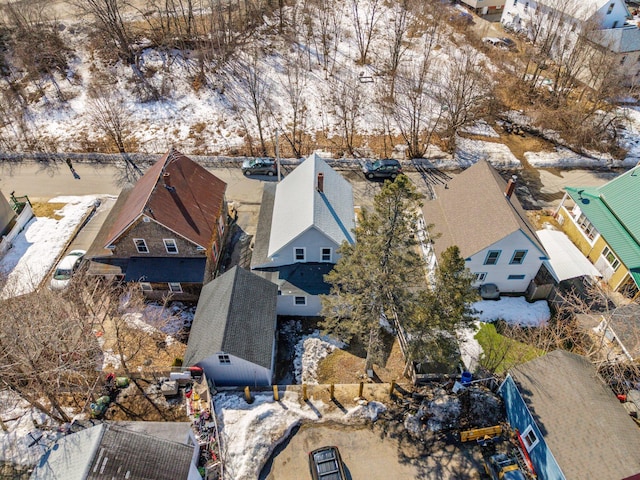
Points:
[(496, 42), (66, 268)]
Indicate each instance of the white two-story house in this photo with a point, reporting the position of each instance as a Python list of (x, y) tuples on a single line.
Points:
[(478, 212), (303, 221)]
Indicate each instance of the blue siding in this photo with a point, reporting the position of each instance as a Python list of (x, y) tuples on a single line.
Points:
[(520, 418)]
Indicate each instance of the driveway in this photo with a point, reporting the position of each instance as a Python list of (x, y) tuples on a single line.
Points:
[(369, 453)]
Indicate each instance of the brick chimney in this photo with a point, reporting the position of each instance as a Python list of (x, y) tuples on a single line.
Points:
[(321, 182), (511, 186)]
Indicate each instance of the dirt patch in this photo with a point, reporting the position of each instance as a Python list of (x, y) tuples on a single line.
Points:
[(44, 209)]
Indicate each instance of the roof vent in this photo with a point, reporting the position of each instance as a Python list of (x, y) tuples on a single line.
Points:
[(321, 182)]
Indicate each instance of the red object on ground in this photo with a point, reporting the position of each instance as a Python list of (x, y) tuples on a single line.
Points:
[(622, 398), (195, 370)]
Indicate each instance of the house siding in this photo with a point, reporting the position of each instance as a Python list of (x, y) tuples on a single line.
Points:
[(286, 306), (520, 418), (238, 372), (592, 252), (492, 6), (500, 272), (312, 241)]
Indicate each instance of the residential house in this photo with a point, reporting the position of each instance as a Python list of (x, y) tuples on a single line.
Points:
[(570, 424), (233, 335), (108, 450), (618, 331), (303, 221), (604, 223), (166, 232), (7, 215), (607, 23), (485, 7), (479, 212)]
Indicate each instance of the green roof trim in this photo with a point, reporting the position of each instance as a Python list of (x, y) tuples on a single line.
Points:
[(620, 240), (635, 274), (621, 197)]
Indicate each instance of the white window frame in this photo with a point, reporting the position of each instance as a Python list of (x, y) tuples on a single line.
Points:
[(295, 254), (173, 288), (146, 287), (224, 359), (135, 242), (584, 225), (214, 251), (221, 225), (169, 241), (304, 301), (616, 261), (479, 277), (322, 259), (529, 445)]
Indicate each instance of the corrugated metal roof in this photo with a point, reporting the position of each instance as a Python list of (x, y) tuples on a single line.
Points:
[(622, 197), (585, 427), (565, 259), (608, 225), (299, 205)]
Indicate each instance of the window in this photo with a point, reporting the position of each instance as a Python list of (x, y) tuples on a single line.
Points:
[(492, 257), (299, 254), (300, 300), (145, 287), (214, 251), (479, 277), (170, 245), (518, 257), (224, 359), (611, 258), (175, 287), (141, 245), (585, 225), (529, 438), (610, 9), (515, 277), (326, 254), (221, 225), (515, 2), (615, 24)]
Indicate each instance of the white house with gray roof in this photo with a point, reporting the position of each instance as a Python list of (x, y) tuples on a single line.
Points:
[(479, 212), (233, 334), (303, 221)]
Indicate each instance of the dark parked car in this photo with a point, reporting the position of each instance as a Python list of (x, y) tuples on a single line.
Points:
[(259, 166), (507, 42), (388, 168), (325, 464)]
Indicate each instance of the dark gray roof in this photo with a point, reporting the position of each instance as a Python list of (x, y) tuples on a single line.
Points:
[(109, 451), (166, 269), (586, 428), (263, 230), (299, 278), (236, 314), (474, 201)]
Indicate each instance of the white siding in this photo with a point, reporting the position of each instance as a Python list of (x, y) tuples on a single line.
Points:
[(500, 272), (287, 306), (312, 241), (238, 372)]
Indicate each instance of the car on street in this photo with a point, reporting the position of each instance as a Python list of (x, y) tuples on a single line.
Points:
[(259, 166), (66, 268), (387, 168), (326, 464)]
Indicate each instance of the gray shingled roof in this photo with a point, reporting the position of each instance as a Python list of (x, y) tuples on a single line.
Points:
[(108, 451), (586, 428), (236, 314), (259, 255), (472, 212), (299, 278)]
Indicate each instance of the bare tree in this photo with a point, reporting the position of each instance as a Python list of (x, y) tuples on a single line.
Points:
[(348, 102), (365, 16), (253, 91), (463, 92), (397, 41), (294, 85), (329, 31)]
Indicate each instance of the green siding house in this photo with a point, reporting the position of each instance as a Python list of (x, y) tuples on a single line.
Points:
[(604, 222)]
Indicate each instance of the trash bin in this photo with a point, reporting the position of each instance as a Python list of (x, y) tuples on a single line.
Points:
[(466, 378)]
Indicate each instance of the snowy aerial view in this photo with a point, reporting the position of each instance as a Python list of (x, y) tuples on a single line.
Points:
[(319, 239)]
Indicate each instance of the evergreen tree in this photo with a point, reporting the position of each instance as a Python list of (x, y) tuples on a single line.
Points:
[(375, 276)]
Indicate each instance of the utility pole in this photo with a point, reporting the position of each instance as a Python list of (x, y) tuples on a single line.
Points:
[(278, 154)]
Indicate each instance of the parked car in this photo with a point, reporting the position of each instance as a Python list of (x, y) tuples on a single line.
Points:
[(493, 41), (326, 464), (388, 168), (489, 291), (502, 467), (507, 42), (66, 268), (259, 166)]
